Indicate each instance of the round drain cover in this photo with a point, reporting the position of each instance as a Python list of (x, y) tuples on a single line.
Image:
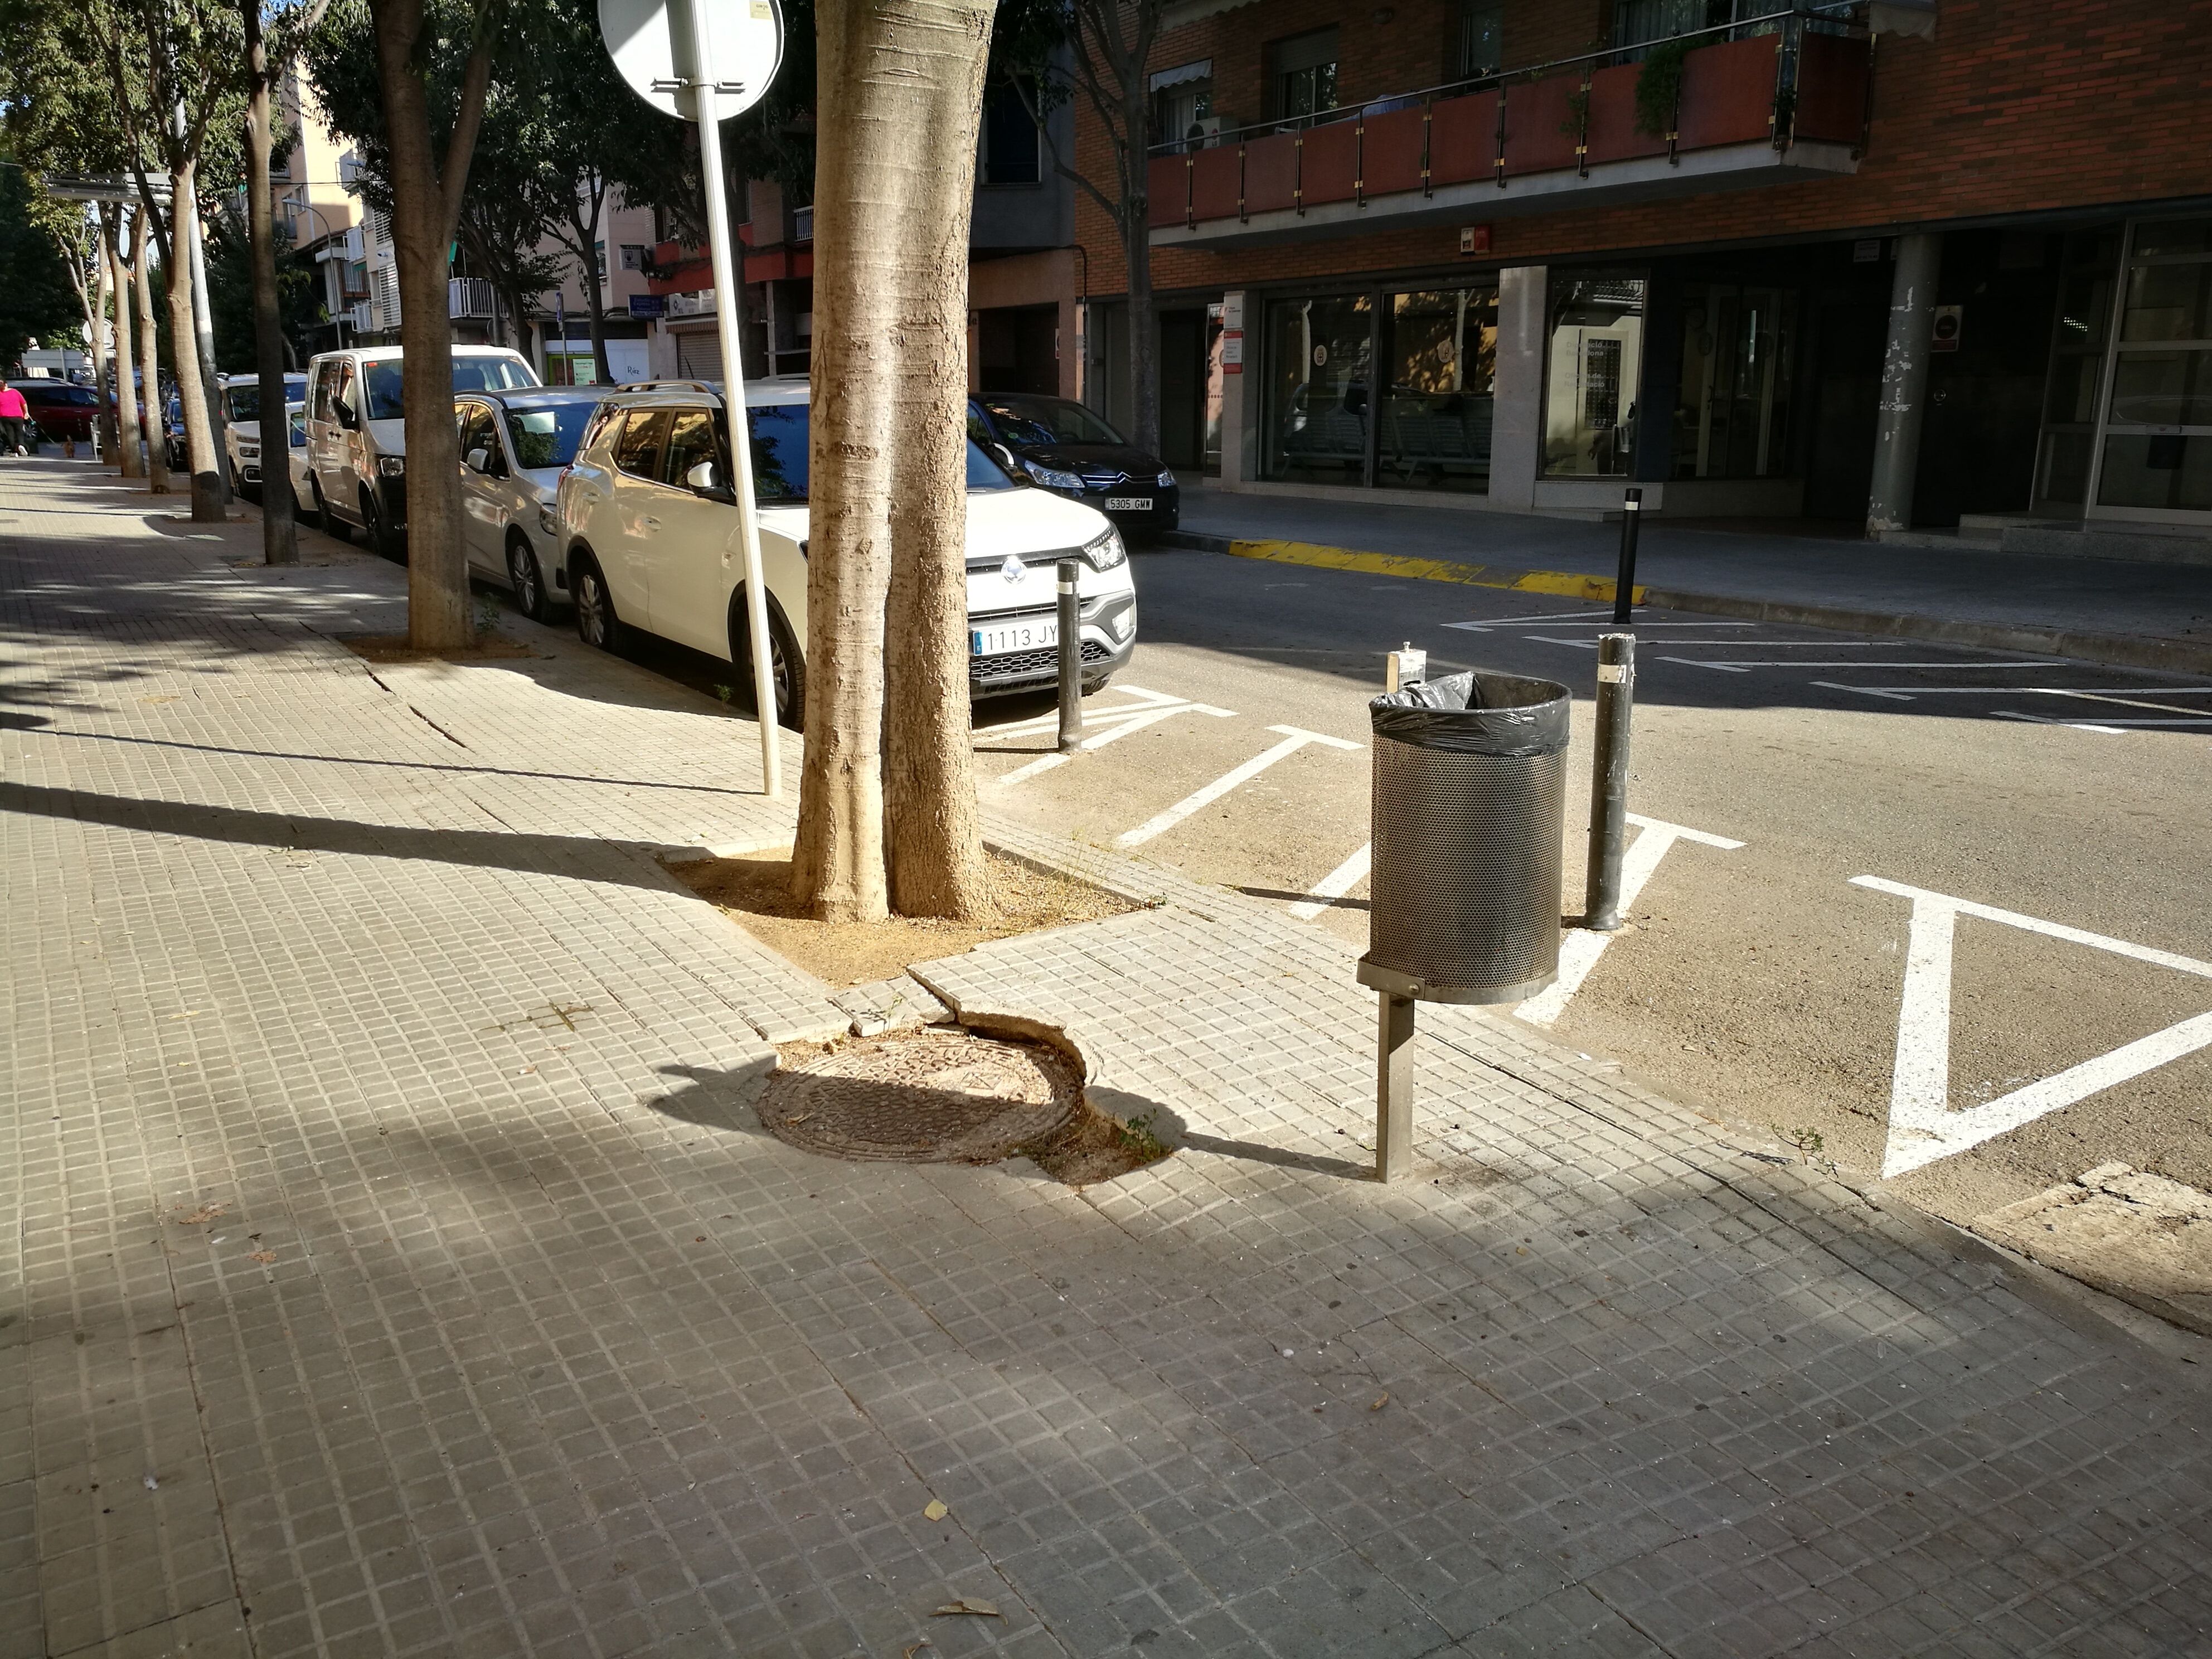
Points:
[(934, 1095)]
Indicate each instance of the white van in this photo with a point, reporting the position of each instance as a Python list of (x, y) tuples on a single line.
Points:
[(357, 441)]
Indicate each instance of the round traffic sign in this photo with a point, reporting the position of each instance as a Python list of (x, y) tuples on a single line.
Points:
[(655, 49)]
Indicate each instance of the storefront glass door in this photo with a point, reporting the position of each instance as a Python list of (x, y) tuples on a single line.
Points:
[(2156, 459)]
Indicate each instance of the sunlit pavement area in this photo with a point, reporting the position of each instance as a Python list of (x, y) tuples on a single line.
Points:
[(396, 1266)]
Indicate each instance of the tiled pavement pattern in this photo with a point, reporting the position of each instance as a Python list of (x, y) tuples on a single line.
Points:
[(393, 1266)]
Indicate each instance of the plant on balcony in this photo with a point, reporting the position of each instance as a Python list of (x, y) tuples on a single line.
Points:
[(1659, 88), (1578, 117)]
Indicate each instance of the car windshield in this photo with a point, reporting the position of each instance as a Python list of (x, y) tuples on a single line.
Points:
[(470, 375), (1047, 421), (244, 397), (779, 434), (549, 436)]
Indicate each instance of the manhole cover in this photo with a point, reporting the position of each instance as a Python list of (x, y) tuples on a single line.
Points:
[(927, 1097)]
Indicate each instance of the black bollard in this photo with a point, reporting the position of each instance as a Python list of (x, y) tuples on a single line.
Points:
[(1624, 584), (1071, 661), (1616, 703)]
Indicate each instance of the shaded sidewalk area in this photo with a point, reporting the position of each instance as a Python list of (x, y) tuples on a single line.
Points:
[(394, 1263), (2145, 615)]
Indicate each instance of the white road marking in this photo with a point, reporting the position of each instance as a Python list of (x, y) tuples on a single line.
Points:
[(1730, 667), (1335, 884), (1863, 690), (1580, 950), (2118, 701), (2114, 726), (1741, 663), (1770, 644), (2023, 690), (1923, 1128), (1294, 738), (1480, 626), (1150, 708)]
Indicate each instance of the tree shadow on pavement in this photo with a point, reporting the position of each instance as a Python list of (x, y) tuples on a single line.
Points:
[(582, 858)]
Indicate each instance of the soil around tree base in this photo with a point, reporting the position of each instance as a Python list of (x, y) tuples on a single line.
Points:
[(754, 891)]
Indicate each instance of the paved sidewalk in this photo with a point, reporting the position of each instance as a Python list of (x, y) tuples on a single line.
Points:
[(394, 1265), (2101, 610)]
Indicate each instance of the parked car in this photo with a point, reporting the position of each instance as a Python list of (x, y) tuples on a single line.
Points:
[(514, 446), (650, 538), (1066, 448), (357, 441), (60, 411), (241, 426), (172, 434)]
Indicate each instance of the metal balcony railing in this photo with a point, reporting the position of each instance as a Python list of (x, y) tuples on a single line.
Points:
[(468, 296), (1790, 77)]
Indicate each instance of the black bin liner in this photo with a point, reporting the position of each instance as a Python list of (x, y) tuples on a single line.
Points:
[(1469, 805)]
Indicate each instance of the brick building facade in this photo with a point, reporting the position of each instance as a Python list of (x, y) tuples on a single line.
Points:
[(1898, 263)]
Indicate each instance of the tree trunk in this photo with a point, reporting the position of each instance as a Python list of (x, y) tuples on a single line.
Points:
[(594, 292), (424, 208), (93, 289), (280, 538), (184, 348), (126, 389), (923, 72), (1137, 253), (149, 365)]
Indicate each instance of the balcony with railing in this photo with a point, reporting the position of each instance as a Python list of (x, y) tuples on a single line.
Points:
[(1764, 100), (469, 297)]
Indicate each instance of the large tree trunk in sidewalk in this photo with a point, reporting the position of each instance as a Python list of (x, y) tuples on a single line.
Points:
[(149, 365), (426, 207), (1137, 251), (888, 471), (126, 391), (184, 348), (280, 539)]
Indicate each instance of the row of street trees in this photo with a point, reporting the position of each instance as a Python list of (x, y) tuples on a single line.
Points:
[(499, 125)]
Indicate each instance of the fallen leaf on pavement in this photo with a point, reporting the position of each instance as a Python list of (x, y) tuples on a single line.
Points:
[(913, 1648), (968, 1604), (263, 1255), (935, 1510), (201, 1217), (1381, 1401)]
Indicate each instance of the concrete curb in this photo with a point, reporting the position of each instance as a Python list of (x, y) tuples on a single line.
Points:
[(2152, 651)]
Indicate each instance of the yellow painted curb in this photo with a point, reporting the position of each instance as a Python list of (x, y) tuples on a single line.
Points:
[(1563, 584)]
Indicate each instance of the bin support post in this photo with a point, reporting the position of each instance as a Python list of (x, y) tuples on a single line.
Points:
[(1071, 661), (1394, 1089), (1624, 582), (1616, 704)]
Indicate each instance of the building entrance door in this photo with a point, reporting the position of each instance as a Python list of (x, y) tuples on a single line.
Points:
[(1182, 388), (1846, 397)]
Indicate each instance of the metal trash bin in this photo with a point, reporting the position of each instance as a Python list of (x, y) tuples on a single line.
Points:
[(1469, 804)]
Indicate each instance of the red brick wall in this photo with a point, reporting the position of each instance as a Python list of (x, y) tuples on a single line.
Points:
[(2010, 109)]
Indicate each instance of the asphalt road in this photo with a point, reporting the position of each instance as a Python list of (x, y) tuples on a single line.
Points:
[(1762, 975)]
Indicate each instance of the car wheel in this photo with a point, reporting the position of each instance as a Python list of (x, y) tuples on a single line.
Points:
[(528, 582), (786, 660), (381, 541), (327, 520), (596, 621)]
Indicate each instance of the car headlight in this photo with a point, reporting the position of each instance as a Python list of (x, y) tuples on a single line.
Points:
[(1104, 552), (391, 467), (249, 451), (1051, 478), (1166, 480), (548, 519)]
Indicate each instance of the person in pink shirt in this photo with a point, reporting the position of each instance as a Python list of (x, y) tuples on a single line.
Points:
[(14, 412)]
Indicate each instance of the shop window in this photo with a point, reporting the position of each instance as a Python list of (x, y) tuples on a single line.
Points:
[(1735, 396), (2156, 458), (1440, 357), (2080, 338), (1319, 354), (1592, 358)]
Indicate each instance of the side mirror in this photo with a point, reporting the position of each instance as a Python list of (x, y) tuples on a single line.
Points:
[(347, 418), (701, 478), (479, 461)]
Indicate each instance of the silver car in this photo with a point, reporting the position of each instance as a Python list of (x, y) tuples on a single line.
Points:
[(514, 447)]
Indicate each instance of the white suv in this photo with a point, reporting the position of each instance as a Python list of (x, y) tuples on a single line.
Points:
[(649, 537)]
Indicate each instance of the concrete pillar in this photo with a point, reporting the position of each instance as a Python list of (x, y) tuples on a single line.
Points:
[(1242, 371), (1517, 428), (1903, 384)]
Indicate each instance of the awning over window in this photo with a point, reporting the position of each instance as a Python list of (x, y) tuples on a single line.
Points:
[(1183, 73)]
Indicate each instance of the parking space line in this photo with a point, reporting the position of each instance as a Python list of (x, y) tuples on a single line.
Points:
[(1131, 720), (2022, 690), (1580, 950), (1294, 738), (1738, 665), (2100, 724), (1335, 884), (1865, 691), (1481, 626), (1923, 1128)]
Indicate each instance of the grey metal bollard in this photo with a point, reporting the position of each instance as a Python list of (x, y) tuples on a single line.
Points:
[(1608, 821), (1624, 582), (1071, 661)]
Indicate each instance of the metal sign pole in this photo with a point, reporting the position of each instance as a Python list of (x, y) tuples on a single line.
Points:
[(699, 72)]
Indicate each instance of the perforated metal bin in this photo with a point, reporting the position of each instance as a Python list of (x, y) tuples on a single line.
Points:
[(1470, 800)]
